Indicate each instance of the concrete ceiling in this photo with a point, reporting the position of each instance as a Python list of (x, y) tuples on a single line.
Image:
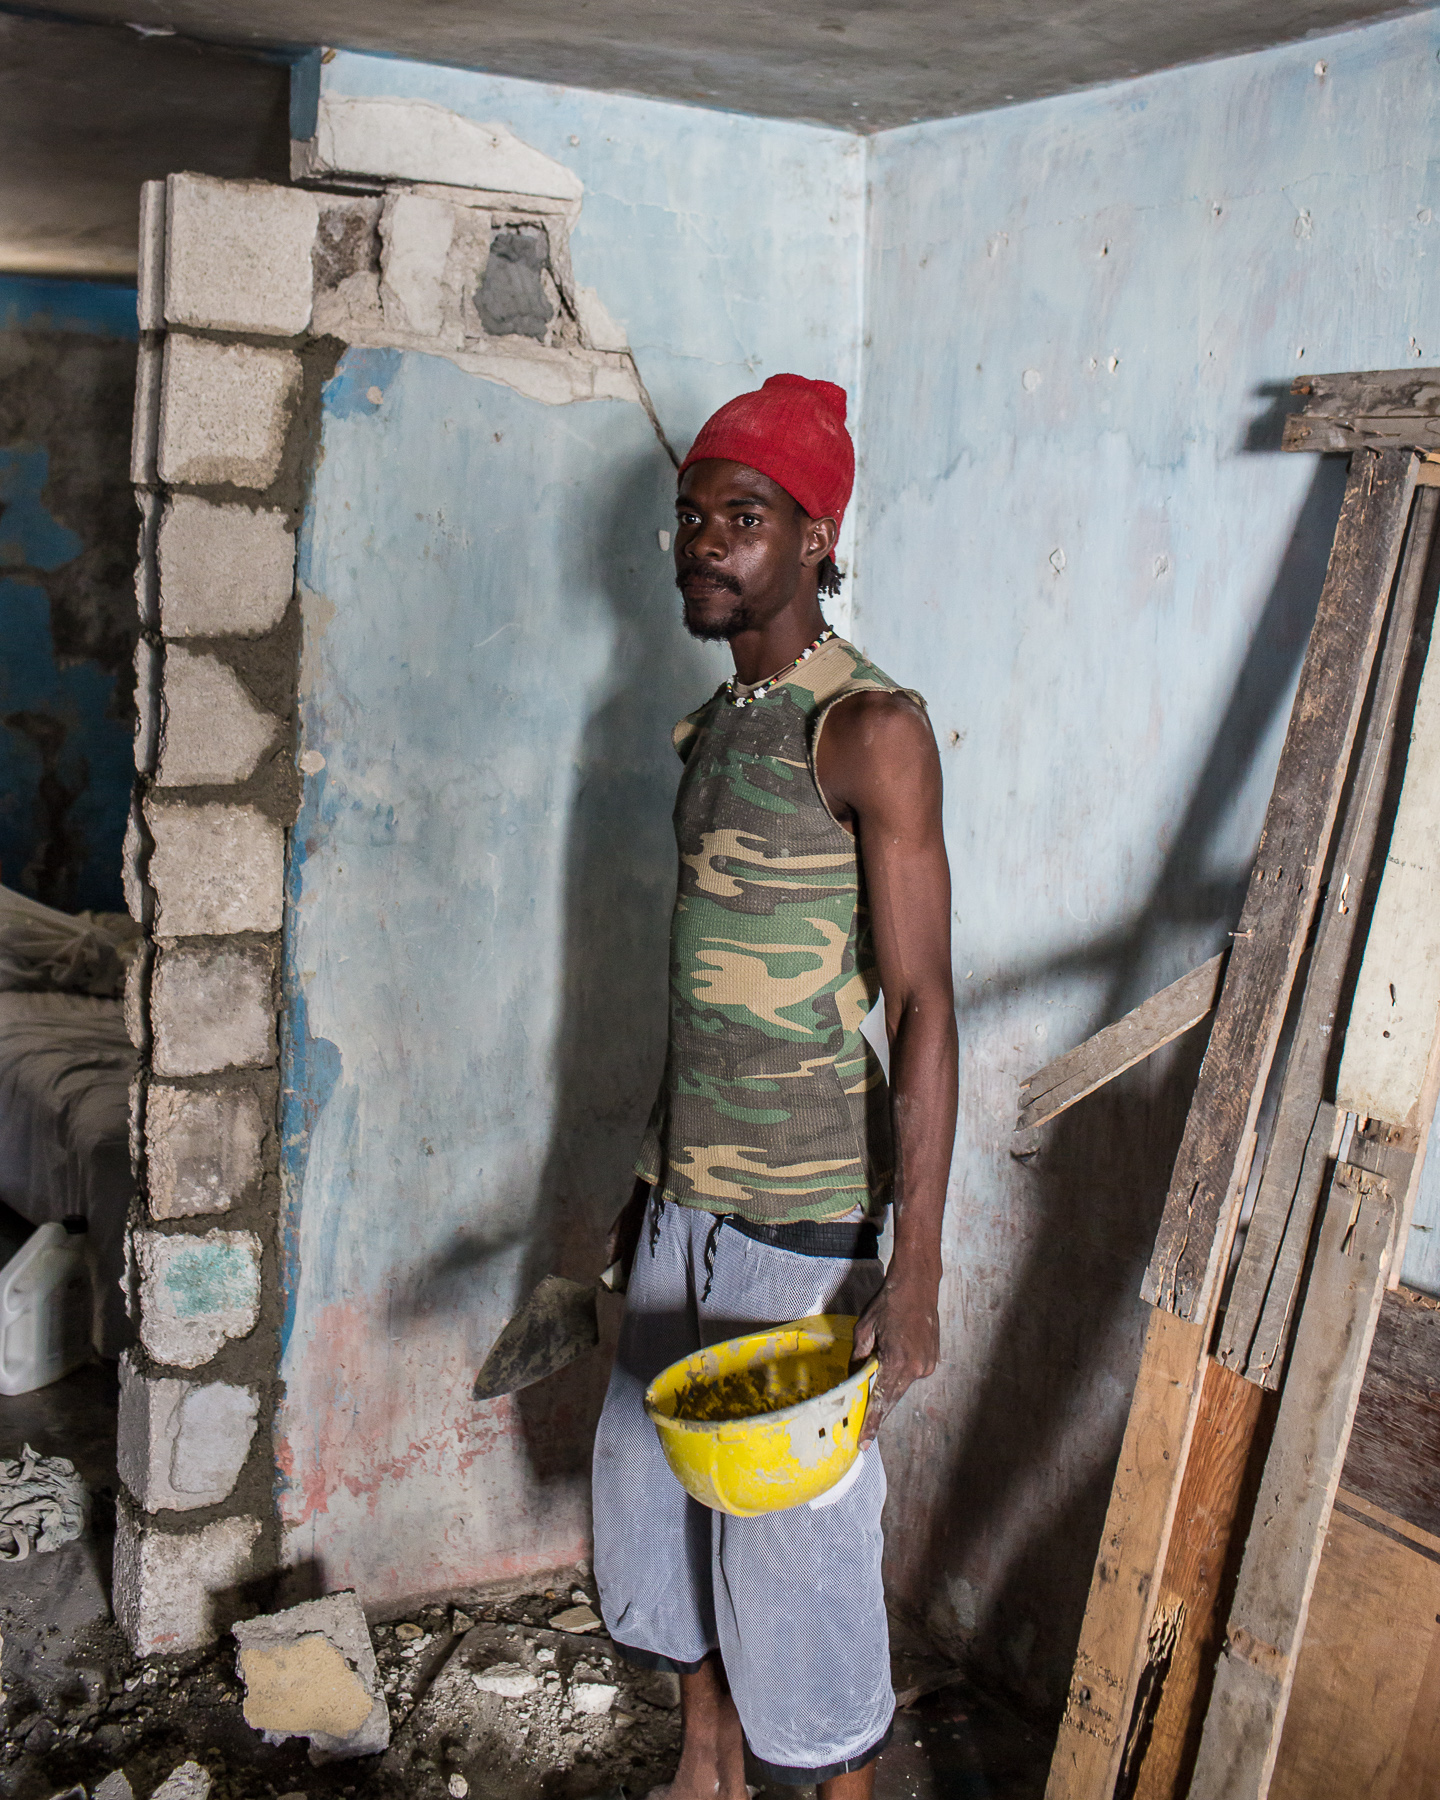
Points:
[(865, 66), (96, 96)]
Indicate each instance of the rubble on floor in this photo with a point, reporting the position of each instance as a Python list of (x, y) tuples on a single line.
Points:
[(310, 1672), (494, 1701)]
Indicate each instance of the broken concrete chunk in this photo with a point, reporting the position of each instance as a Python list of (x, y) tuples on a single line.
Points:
[(508, 1680), (182, 1444), (114, 1787), (593, 1697), (215, 869), (225, 410), (224, 570), (212, 1008), (211, 732), (173, 1589), (310, 1672), (197, 1291), (202, 1148), (575, 1618), (238, 255), (189, 1782)]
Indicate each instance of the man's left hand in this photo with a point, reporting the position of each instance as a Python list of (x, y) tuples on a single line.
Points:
[(901, 1326)]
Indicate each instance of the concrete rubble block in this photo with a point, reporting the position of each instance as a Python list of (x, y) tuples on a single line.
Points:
[(212, 1008), (182, 1444), (145, 429), (114, 1786), (147, 705), (237, 255), (593, 1698), (176, 1591), (196, 1292), (415, 140), (191, 1781), (202, 1148), (150, 281), (310, 1672), (224, 412), (215, 869), (210, 732), (508, 1680), (416, 234), (225, 571)]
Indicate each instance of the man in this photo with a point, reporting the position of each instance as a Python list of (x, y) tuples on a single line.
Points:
[(812, 877)]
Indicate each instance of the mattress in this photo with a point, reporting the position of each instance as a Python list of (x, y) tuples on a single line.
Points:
[(65, 1072)]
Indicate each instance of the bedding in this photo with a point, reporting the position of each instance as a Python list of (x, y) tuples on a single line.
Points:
[(65, 1070)]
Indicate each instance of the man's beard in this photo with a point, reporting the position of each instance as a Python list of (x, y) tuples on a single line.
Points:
[(729, 625)]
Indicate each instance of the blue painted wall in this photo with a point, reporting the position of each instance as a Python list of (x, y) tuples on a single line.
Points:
[(1079, 536), (480, 893), (1075, 533), (67, 541)]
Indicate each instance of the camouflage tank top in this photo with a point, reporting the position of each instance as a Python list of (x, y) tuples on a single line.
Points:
[(772, 1105)]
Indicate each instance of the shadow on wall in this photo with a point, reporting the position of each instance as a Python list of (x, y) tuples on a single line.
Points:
[(619, 886), (620, 870), (1092, 1199)]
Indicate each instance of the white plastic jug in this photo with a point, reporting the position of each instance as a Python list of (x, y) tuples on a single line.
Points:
[(44, 1308)]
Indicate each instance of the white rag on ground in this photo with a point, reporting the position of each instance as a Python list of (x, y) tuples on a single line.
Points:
[(42, 1504)]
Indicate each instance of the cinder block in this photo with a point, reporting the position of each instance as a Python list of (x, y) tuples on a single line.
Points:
[(215, 869), (224, 412), (202, 1148), (150, 295), (237, 255), (147, 705), (147, 572), (196, 1292), (417, 233), (310, 1672), (212, 1007), (137, 996), (210, 730), (134, 867), (175, 1592), (145, 427), (182, 1444), (225, 571)]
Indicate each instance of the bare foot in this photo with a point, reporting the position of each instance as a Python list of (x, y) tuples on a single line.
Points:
[(712, 1757)]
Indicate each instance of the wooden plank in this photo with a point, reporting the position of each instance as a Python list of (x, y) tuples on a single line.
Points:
[(1255, 1672), (1261, 1300), (1133, 1546), (1164, 1732), (1365, 1677), (1157, 1022), (1394, 1455), (1383, 409), (1198, 1223), (1396, 1008)]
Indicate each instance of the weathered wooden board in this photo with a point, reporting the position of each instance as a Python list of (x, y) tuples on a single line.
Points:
[(1132, 1549), (1385, 409), (1164, 1732), (1261, 1302), (1157, 1022), (1365, 1707), (1255, 1672), (1397, 997), (1394, 1455), (1198, 1223)]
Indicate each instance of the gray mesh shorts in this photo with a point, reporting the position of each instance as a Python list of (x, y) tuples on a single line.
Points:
[(792, 1600)]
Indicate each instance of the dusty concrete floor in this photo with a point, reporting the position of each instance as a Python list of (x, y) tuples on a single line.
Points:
[(77, 1705)]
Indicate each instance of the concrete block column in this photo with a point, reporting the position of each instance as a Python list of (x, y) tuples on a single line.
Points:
[(223, 415)]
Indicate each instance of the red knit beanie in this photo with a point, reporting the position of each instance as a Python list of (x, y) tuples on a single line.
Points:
[(793, 430)]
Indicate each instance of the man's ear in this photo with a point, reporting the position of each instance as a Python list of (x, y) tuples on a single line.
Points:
[(821, 536)]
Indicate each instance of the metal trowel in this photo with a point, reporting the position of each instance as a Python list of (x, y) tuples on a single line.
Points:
[(554, 1326)]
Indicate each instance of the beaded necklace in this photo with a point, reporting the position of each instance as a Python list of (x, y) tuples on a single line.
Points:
[(759, 693)]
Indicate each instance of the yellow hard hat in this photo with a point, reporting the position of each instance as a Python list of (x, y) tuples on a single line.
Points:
[(764, 1422)]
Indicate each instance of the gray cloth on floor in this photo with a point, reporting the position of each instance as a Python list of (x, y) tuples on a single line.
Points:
[(42, 1504), (793, 1600)]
